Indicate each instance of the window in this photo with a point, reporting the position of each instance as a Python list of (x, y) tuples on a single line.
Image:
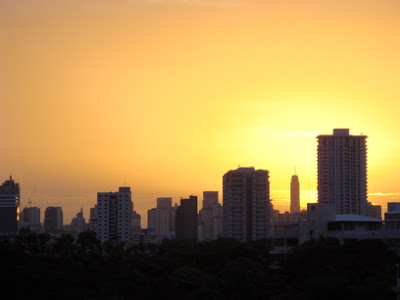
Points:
[(349, 226)]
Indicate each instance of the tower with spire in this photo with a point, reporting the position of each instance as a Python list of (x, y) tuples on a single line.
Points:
[(294, 193)]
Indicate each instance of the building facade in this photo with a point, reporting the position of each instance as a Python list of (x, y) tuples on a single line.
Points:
[(210, 217), (342, 172), (114, 215), (9, 207), (53, 219), (78, 223), (246, 204), (30, 219), (294, 194), (160, 219), (186, 219)]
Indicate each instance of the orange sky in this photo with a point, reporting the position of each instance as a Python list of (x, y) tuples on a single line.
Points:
[(167, 96)]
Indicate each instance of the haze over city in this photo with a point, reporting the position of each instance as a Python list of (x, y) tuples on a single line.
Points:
[(167, 96)]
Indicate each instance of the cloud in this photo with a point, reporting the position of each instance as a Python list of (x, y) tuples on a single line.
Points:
[(296, 133), (268, 132), (384, 194), (211, 3)]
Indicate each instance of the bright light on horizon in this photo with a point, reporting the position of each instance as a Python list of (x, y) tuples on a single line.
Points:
[(167, 97)]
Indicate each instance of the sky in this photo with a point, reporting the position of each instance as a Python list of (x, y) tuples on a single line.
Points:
[(166, 96)]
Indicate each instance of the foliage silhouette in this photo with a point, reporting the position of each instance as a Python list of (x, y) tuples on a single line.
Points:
[(82, 268)]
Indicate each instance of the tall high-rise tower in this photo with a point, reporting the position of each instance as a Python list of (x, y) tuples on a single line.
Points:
[(246, 204), (9, 207), (114, 215), (186, 219), (210, 217), (342, 171), (53, 219), (294, 194), (161, 218)]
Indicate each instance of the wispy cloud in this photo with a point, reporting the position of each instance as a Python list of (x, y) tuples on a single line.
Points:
[(384, 194), (269, 132), (295, 133), (212, 3)]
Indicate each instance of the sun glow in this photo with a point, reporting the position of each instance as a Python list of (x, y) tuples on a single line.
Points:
[(167, 97)]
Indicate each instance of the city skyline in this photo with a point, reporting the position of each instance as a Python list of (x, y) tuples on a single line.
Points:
[(166, 96)]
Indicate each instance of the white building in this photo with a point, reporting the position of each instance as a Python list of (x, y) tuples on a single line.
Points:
[(78, 223), (322, 221), (342, 172), (246, 204), (210, 217), (30, 219), (114, 215), (162, 219)]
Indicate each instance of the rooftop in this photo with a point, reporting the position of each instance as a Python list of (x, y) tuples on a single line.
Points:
[(354, 218)]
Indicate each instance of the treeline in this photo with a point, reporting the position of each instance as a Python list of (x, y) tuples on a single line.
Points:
[(36, 265)]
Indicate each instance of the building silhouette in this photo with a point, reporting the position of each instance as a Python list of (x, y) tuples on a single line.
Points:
[(186, 219), (294, 194), (9, 207), (160, 219), (78, 223), (246, 204), (392, 216), (210, 217), (53, 219), (342, 172), (136, 222), (30, 219), (92, 225), (114, 215), (374, 211)]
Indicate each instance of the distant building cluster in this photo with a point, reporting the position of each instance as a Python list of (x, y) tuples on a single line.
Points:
[(246, 213)]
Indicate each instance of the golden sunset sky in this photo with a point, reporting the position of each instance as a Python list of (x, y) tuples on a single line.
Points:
[(165, 96)]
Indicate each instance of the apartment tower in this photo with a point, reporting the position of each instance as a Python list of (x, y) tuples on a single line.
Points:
[(53, 219), (246, 204), (210, 217), (9, 207), (342, 171), (114, 215), (186, 219)]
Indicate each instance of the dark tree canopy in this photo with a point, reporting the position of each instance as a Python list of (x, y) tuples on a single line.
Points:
[(82, 268)]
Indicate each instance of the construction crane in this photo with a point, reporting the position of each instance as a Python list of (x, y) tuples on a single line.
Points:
[(30, 198)]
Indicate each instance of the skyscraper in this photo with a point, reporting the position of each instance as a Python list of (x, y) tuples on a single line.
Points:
[(53, 219), (210, 217), (246, 204), (294, 194), (30, 219), (209, 198), (78, 224), (186, 219), (342, 171), (9, 207), (160, 219), (114, 215)]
